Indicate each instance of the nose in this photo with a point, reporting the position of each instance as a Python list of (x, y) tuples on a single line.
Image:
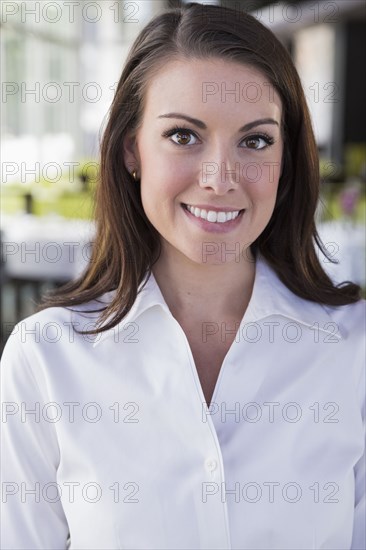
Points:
[(221, 174)]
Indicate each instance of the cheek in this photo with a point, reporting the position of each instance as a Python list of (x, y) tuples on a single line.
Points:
[(159, 195), (263, 191), (164, 180), (262, 177)]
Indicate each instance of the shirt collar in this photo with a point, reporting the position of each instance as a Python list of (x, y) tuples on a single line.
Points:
[(149, 295), (269, 297), (272, 297)]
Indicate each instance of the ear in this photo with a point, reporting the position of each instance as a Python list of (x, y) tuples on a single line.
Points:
[(131, 155)]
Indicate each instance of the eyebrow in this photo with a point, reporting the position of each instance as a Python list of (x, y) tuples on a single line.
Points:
[(203, 126)]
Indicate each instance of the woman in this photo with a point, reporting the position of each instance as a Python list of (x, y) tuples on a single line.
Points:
[(201, 384)]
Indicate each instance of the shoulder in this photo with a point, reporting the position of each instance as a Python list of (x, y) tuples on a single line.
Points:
[(56, 324), (350, 318), (48, 344), (274, 295)]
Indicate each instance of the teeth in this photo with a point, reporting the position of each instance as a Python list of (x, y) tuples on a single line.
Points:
[(212, 216)]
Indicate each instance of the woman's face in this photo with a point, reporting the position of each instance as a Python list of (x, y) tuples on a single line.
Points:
[(211, 139)]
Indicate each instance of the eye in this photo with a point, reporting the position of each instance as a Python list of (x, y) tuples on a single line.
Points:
[(258, 141), (184, 136)]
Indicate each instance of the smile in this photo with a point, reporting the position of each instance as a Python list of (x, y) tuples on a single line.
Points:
[(212, 215)]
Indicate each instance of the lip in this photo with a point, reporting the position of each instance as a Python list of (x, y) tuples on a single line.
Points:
[(215, 227)]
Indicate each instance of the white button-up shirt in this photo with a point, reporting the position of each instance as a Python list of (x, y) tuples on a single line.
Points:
[(108, 442)]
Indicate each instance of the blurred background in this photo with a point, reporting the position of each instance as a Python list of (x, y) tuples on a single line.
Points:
[(60, 64)]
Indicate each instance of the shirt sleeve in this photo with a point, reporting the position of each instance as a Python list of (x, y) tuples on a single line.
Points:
[(359, 523), (31, 510)]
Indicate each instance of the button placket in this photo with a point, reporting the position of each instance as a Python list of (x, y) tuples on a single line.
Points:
[(213, 463)]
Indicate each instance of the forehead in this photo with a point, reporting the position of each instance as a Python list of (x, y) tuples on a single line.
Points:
[(211, 85)]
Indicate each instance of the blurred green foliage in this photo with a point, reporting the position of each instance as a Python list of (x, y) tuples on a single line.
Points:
[(70, 197), (330, 207)]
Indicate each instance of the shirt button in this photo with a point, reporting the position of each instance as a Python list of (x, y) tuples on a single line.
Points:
[(210, 464)]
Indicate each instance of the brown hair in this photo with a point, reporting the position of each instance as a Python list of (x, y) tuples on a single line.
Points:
[(126, 244)]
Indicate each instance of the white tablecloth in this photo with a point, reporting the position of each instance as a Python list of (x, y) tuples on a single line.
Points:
[(45, 248)]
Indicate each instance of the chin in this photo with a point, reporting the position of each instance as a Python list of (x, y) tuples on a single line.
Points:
[(208, 256)]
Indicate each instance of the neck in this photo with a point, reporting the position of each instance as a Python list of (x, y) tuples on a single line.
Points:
[(204, 291)]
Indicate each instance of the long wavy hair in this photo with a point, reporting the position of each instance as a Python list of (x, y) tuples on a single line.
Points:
[(126, 245)]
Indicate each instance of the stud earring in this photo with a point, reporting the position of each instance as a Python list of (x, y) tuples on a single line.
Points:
[(134, 175)]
